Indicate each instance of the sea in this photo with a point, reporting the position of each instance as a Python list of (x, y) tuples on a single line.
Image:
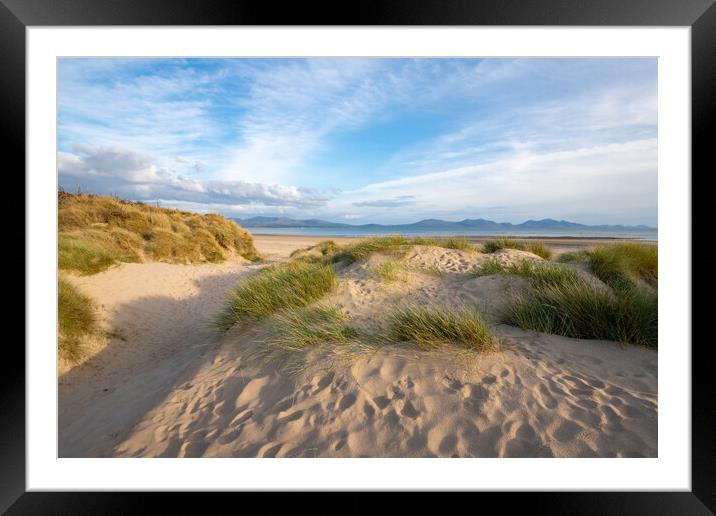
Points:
[(648, 235)]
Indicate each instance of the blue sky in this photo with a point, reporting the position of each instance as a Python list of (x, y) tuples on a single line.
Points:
[(367, 140)]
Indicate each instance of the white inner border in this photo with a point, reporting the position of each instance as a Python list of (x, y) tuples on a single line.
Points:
[(670, 471)]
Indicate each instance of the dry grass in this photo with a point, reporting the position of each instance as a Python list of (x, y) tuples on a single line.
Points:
[(98, 231)]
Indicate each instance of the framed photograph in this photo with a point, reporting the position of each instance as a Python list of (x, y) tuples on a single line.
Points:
[(414, 250)]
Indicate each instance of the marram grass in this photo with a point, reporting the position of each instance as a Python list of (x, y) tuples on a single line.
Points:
[(77, 320), (580, 310), (297, 329), (396, 244), (538, 248), (539, 273), (290, 285), (432, 327)]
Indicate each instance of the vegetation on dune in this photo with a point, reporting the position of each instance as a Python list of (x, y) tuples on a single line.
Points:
[(538, 272), (97, 231), (561, 302), (574, 257), (578, 309), (622, 266), (391, 271), (396, 244), (293, 284), (77, 320), (537, 248), (433, 327), (297, 329)]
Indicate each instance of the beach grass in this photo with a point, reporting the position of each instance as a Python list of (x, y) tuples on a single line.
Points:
[(540, 273), (623, 266), (575, 308), (396, 245), (77, 320), (296, 329), (391, 271), (538, 248), (437, 326), (96, 232), (293, 284)]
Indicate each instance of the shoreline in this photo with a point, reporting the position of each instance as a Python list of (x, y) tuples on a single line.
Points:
[(274, 246), (468, 237)]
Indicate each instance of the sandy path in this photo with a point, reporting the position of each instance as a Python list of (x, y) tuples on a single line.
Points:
[(277, 247), (162, 310)]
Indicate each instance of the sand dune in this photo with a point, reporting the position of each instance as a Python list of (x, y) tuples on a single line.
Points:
[(177, 391)]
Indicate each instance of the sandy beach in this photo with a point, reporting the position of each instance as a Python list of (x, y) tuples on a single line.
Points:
[(173, 386)]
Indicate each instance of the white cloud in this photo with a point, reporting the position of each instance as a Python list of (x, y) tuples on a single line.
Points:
[(129, 174), (607, 183)]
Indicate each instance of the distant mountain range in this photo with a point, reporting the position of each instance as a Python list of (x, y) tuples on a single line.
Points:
[(477, 224)]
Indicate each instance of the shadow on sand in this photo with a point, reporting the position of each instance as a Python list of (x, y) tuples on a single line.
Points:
[(167, 341)]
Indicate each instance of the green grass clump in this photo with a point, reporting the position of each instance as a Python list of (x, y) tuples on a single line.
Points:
[(391, 271), (395, 244), (364, 248), (537, 248), (501, 243), (85, 257), (77, 319), (577, 309), (539, 273), (621, 266), (302, 328), (96, 232), (488, 268), (574, 257), (289, 285), (433, 327)]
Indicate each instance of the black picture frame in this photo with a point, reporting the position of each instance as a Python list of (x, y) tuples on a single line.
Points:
[(700, 15)]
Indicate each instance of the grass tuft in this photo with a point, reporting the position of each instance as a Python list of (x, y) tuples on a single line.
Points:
[(391, 271), (538, 272), (290, 285), (77, 319), (396, 244), (538, 248), (297, 329), (434, 327), (622, 266), (574, 257), (580, 310)]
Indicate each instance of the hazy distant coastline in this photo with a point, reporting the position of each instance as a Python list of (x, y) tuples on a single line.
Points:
[(548, 228)]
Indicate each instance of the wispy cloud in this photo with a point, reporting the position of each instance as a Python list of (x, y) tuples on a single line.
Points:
[(371, 140)]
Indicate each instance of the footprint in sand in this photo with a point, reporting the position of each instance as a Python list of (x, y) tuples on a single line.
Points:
[(346, 401), (409, 410)]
